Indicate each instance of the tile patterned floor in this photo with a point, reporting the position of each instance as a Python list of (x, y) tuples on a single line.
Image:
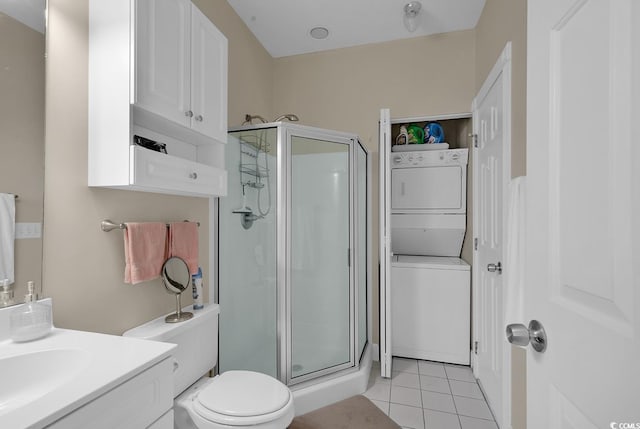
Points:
[(430, 395)]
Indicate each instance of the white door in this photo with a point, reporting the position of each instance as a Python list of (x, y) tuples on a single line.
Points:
[(583, 213), (384, 151), (491, 165), (162, 58), (208, 77)]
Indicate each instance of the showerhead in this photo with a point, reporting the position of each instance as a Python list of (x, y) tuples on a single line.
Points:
[(289, 117)]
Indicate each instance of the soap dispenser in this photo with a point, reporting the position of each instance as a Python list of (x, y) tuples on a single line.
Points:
[(31, 320), (6, 294)]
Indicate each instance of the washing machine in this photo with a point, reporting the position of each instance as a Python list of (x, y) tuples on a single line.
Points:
[(430, 283), (431, 308)]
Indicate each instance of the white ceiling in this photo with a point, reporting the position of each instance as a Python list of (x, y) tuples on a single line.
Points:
[(282, 26), (29, 12)]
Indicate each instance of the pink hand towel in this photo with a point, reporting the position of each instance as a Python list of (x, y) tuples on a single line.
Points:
[(183, 243), (145, 250)]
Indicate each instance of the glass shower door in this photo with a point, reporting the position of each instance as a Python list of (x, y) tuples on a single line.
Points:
[(247, 263), (320, 236)]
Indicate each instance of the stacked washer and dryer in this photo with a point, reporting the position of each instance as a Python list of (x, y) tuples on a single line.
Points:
[(430, 284)]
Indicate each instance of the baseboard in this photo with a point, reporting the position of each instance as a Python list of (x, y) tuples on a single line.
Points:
[(375, 349)]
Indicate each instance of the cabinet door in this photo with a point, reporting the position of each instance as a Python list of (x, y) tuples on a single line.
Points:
[(162, 58), (208, 77)]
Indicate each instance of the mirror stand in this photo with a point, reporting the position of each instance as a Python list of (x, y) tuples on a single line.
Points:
[(179, 315), (176, 278)]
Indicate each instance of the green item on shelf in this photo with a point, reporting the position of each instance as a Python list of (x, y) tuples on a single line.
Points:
[(416, 134)]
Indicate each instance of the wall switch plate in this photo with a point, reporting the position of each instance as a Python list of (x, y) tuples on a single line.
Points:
[(28, 230)]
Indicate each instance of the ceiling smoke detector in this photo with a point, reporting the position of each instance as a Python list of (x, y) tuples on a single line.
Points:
[(411, 12), (319, 33)]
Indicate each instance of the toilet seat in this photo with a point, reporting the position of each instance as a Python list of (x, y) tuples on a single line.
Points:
[(242, 398)]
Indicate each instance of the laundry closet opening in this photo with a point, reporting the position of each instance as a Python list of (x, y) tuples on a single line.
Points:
[(424, 182)]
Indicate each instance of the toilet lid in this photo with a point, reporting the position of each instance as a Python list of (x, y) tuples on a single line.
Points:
[(244, 394)]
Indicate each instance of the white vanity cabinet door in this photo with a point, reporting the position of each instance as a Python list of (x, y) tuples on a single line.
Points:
[(208, 77), (137, 403), (164, 422), (162, 58)]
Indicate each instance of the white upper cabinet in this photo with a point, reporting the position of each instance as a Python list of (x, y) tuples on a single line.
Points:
[(157, 70), (208, 79), (179, 54), (162, 58)]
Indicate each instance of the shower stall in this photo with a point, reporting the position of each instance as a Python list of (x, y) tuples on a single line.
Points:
[(293, 260)]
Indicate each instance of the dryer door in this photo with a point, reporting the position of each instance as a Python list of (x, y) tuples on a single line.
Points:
[(428, 189)]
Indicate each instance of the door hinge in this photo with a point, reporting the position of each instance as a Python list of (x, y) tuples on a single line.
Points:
[(475, 243), (475, 347), (474, 137)]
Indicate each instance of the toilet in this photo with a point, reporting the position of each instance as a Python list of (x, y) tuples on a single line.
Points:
[(231, 400)]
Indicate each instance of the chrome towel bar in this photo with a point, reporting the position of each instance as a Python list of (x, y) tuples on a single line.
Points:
[(107, 225)]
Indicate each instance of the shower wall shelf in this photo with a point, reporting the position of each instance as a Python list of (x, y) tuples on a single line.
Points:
[(254, 170), (254, 144)]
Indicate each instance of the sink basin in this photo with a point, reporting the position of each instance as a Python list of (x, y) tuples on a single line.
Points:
[(48, 379), (29, 376)]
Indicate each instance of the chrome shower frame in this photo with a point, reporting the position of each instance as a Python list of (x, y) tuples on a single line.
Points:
[(282, 205)]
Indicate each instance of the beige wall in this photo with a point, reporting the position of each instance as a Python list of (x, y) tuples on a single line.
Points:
[(83, 266), (345, 89), (501, 21), (22, 138)]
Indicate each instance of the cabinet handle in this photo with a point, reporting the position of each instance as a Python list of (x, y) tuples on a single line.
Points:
[(199, 118), (188, 114), (193, 175)]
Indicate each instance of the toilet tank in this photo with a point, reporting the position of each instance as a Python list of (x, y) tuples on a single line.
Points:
[(197, 341)]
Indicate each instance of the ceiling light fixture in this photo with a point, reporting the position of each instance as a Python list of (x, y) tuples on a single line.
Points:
[(411, 12), (319, 33)]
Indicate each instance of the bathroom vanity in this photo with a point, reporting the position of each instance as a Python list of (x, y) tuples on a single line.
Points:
[(74, 379)]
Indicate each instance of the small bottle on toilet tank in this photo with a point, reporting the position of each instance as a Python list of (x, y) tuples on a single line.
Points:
[(196, 285)]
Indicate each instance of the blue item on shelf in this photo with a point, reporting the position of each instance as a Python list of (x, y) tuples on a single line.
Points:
[(433, 133)]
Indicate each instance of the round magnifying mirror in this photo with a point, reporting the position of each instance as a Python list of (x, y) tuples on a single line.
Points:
[(176, 278)]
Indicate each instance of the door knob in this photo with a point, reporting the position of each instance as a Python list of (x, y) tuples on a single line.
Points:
[(520, 335), (492, 268)]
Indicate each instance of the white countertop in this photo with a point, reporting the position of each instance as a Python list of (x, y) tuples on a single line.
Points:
[(111, 360)]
